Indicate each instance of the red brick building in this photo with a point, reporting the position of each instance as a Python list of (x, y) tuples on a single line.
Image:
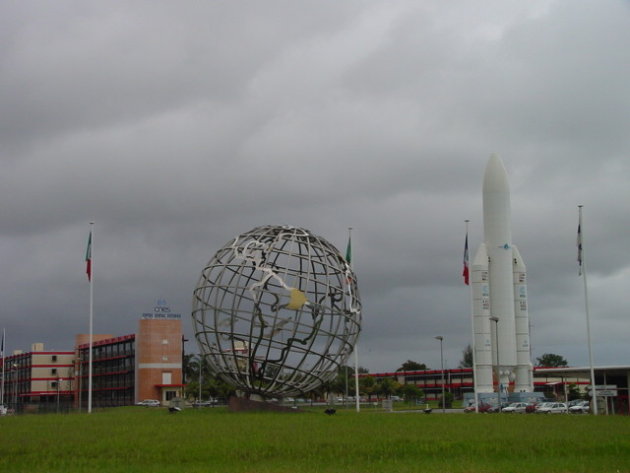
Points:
[(125, 369)]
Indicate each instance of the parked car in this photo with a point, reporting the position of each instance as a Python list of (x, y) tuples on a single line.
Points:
[(531, 408), (470, 408), (580, 408), (208, 403), (553, 408), (482, 408), (519, 407), (149, 403), (542, 405)]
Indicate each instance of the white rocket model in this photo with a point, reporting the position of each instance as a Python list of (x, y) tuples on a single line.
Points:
[(499, 288)]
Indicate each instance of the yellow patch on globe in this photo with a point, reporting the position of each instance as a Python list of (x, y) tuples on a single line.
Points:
[(297, 299)]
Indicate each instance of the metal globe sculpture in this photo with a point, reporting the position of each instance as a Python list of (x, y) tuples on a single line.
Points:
[(276, 311)]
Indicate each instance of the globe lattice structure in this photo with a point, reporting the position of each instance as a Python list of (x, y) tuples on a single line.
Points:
[(277, 311)]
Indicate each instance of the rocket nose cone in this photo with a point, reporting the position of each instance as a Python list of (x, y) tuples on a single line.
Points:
[(495, 177)]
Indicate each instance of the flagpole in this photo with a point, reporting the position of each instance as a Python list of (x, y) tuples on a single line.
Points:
[(582, 264), (472, 321), (91, 274), (356, 345), (2, 386)]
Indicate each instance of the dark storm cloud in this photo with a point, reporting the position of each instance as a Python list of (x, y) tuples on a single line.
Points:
[(176, 126)]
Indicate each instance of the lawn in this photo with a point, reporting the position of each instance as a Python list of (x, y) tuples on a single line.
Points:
[(214, 440)]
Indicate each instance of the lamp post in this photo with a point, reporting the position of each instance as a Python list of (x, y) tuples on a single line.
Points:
[(15, 386), (441, 339), (58, 388), (200, 376), (80, 380), (496, 337)]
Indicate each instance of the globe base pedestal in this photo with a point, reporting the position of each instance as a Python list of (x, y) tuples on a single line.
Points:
[(241, 404)]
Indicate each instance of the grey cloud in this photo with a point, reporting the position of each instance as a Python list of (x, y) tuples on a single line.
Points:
[(177, 126)]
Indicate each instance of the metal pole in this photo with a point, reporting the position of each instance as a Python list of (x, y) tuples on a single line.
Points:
[(15, 387), (472, 326), (566, 394), (356, 345), (345, 399), (80, 379), (441, 339), (2, 385), (496, 337), (184, 340), (89, 407), (586, 308), (200, 376), (356, 378), (3, 363)]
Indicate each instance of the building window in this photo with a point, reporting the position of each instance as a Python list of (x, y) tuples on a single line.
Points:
[(54, 358), (53, 371), (170, 395)]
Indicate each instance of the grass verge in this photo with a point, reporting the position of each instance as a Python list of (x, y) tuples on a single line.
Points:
[(152, 440)]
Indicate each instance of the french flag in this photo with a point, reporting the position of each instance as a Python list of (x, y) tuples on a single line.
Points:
[(88, 258), (465, 272)]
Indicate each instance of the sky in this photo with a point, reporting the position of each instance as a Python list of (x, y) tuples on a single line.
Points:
[(176, 126)]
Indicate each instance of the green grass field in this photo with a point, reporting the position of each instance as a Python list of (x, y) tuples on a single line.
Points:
[(213, 440)]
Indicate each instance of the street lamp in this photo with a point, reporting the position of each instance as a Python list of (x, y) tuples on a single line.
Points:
[(58, 387), (200, 377), (15, 386), (496, 337), (80, 380), (441, 339)]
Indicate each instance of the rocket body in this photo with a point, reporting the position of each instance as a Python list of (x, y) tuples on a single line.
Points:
[(499, 284)]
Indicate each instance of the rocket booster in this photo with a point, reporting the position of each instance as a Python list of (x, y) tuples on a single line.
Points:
[(500, 287), (524, 372)]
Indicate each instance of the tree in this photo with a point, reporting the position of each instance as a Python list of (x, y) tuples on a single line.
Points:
[(386, 387), (211, 385), (410, 365), (367, 385), (345, 379), (551, 360), (573, 392), (467, 358), (448, 400), (410, 392)]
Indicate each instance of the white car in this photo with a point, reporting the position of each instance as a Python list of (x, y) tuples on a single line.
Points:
[(3, 410), (208, 403), (515, 407), (581, 407), (149, 403), (553, 408), (542, 405)]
